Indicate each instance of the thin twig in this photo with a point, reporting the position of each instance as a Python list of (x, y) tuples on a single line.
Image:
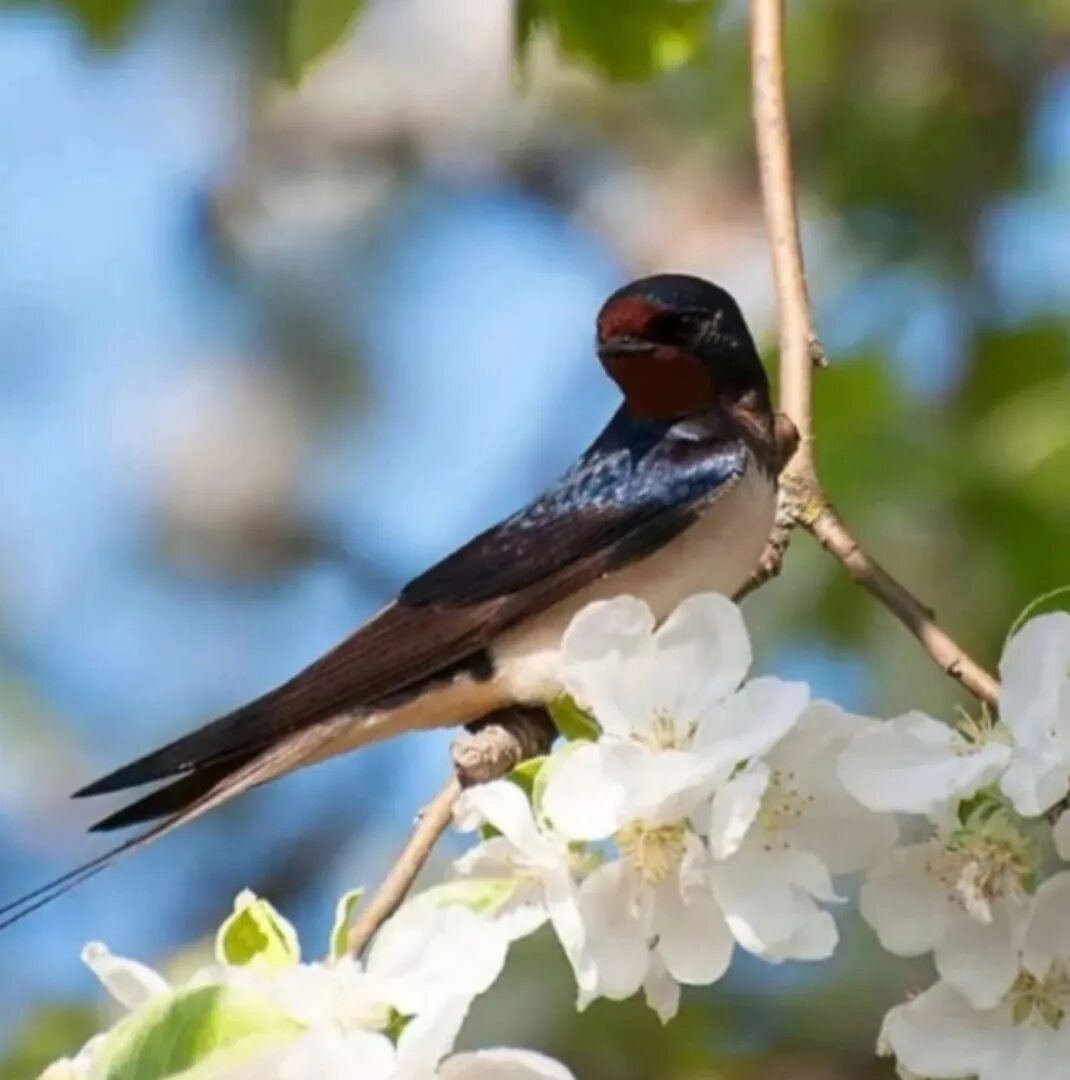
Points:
[(501, 742), (831, 533), (433, 821), (802, 501)]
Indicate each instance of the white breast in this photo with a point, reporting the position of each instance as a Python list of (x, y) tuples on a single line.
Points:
[(716, 554)]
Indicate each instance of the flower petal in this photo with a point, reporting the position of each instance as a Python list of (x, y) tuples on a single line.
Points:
[(1034, 784), (735, 806), (129, 982), (807, 872), (602, 642), (562, 903), (324, 1052), (663, 786), (424, 957), (428, 1038), (1034, 700), (585, 798), (913, 764), (660, 990), (762, 905), (1047, 931), (705, 646), (1028, 1051), (815, 939), (903, 902), (978, 959), (506, 807), (824, 818), (694, 941), (522, 916), (616, 941), (937, 1033), (751, 722), (493, 858)]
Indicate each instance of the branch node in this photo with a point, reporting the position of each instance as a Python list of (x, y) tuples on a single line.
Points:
[(500, 742), (818, 356)]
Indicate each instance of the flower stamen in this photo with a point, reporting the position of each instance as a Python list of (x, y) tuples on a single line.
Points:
[(654, 852), (1041, 1002), (982, 865), (783, 801), (663, 734)]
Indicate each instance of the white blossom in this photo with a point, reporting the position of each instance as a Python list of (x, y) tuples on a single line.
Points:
[(426, 963), (915, 764), (926, 897), (675, 726), (780, 828), (646, 925), (1026, 1033), (422, 1052), (964, 891), (1034, 704), (539, 861), (419, 959)]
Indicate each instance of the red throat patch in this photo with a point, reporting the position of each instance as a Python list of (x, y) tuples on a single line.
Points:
[(662, 384)]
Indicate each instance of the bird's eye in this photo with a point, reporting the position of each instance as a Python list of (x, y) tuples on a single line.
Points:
[(674, 327), (688, 325)]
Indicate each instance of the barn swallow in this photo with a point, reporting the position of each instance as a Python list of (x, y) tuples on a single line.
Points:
[(676, 496)]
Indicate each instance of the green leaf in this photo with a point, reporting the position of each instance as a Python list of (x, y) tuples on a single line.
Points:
[(343, 916), (311, 29), (571, 720), (37, 1037), (193, 1030), (526, 774), (104, 21), (630, 40), (980, 807), (256, 934)]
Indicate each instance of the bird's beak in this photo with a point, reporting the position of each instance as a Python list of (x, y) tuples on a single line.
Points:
[(618, 347)]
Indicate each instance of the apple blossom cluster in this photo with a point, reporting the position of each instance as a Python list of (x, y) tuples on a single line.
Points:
[(688, 811), (258, 1013), (981, 884)]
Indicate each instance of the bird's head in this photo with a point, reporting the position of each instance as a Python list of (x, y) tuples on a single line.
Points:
[(677, 346)]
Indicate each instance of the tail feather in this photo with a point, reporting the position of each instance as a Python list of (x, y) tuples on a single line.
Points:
[(171, 799), (231, 740), (185, 799), (25, 905)]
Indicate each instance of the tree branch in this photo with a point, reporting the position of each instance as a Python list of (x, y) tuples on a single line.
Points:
[(431, 823), (501, 742), (802, 501)]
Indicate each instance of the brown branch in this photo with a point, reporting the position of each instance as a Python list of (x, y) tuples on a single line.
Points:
[(802, 501), (500, 743), (432, 822)]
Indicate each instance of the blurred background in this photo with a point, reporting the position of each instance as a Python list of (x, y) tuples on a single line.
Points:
[(267, 351)]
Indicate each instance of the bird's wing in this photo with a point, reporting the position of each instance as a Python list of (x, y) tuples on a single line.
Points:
[(612, 508), (621, 501), (618, 504)]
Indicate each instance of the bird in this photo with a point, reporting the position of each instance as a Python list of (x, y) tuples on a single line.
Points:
[(677, 495)]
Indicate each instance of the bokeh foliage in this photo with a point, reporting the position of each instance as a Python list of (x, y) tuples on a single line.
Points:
[(911, 126)]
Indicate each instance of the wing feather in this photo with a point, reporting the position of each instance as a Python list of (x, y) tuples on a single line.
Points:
[(622, 501)]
